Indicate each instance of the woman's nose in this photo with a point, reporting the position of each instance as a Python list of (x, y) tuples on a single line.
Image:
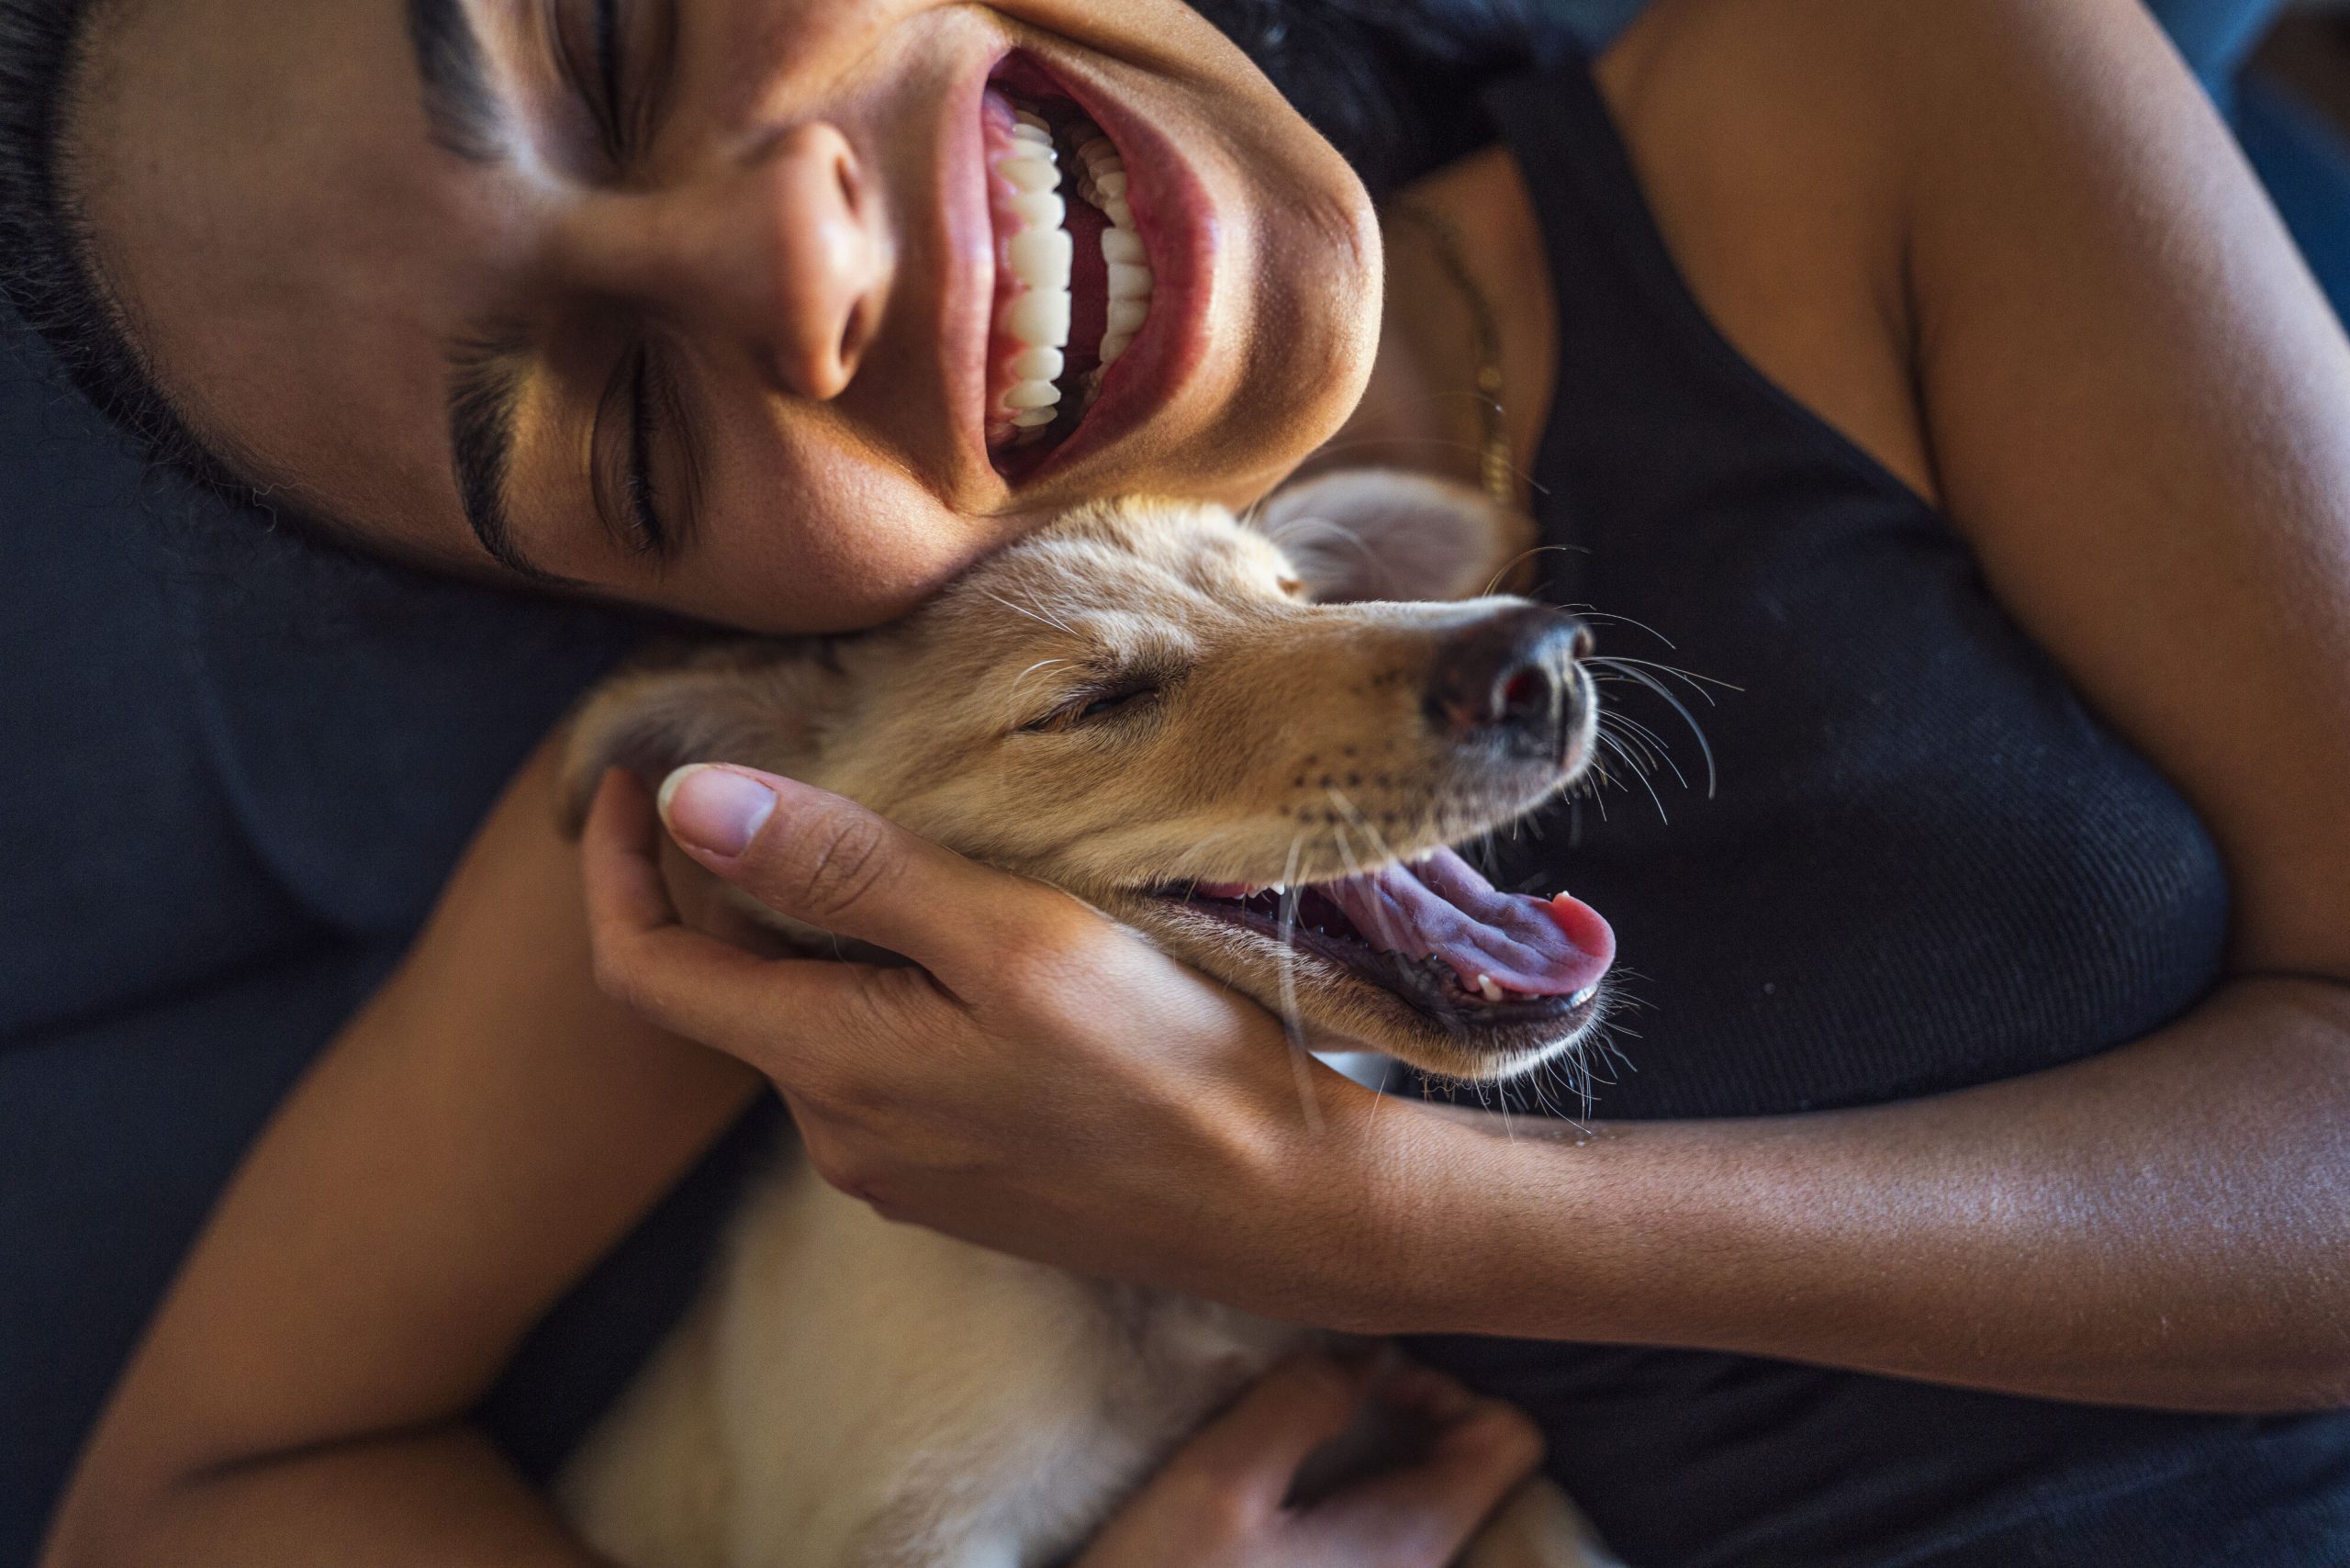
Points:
[(783, 250)]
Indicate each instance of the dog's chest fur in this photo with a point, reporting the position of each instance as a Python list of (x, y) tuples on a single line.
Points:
[(854, 1394)]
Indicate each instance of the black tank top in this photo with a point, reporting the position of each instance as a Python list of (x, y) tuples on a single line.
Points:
[(1924, 864)]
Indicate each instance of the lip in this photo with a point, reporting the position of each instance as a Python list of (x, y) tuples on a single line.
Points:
[(1410, 981), (1173, 216), (966, 303)]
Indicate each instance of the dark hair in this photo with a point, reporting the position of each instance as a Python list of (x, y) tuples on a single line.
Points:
[(1391, 83), (49, 275)]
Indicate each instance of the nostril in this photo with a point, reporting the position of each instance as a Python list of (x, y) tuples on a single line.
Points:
[(852, 343), (1508, 681), (1526, 692)]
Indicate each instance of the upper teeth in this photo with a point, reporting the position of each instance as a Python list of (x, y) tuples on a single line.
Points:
[(1585, 995), (1042, 257)]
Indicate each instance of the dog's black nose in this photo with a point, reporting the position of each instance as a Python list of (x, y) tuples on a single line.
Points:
[(1511, 679)]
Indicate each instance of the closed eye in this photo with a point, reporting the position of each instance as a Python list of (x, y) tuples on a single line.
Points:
[(1098, 705)]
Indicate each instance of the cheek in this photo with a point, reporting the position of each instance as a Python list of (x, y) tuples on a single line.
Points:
[(799, 531), (819, 566), (759, 55)]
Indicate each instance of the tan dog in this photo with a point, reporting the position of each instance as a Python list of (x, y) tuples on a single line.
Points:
[(1243, 742)]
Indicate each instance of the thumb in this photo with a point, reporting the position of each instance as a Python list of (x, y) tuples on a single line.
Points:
[(829, 862)]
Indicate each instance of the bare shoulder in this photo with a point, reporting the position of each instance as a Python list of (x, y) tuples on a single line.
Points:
[(1758, 132), (2114, 365)]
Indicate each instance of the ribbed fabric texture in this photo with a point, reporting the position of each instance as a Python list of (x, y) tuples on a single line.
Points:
[(1925, 865)]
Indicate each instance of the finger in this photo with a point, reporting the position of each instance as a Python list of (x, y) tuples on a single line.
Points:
[(1252, 1452), (776, 1014), (1426, 1512), (817, 857)]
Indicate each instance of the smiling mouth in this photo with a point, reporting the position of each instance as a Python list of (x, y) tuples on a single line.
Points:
[(1437, 934), (1074, 279)]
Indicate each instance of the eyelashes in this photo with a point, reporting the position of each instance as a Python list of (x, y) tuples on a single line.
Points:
[(608, 76), (1128, 698), (588, 40), (629, 420)]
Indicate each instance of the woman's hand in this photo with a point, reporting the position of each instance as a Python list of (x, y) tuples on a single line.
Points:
[(1221, 1502), (1045, 1083)]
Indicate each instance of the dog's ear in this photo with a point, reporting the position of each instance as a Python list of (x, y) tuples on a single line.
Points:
[(1378, 533), (764, 705)]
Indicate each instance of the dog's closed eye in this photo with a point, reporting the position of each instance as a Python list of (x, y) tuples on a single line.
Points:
[(1124, 698)]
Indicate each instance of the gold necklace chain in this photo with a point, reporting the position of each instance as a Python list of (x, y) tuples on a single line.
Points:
[(1496, 464)]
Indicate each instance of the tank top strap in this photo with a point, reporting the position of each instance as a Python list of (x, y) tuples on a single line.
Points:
[(1645, 372)]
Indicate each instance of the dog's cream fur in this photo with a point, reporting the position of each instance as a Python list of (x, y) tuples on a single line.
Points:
[(853, 1393)]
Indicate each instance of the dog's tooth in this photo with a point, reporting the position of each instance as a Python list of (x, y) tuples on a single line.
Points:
[(1491, 992), (1116, 210), (1281, 889), (1585, 995)]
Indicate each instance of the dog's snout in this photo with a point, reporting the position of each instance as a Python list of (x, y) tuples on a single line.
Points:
[(1511, 678)]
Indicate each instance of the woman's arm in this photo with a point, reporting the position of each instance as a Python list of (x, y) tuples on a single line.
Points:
[(2007, 246), (477, 1139)]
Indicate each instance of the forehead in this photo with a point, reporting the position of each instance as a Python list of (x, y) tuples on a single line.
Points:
[(253, 172)]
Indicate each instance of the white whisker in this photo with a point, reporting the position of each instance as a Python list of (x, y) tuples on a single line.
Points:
[(1301, 1059), (1636, 670), (1038, 616)]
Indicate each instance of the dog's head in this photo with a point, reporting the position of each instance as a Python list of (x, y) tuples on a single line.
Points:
[(1252, 741)]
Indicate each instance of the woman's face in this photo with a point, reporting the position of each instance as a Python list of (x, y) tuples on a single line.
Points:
[(708, 304)]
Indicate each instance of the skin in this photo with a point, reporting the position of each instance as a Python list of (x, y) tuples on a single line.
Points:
[(778, 236), (2003, 245)]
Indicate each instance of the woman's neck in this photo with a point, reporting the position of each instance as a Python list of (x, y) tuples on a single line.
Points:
[(1422, 408)]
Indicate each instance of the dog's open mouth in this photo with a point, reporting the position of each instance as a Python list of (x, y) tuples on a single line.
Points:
[(1436, 933)]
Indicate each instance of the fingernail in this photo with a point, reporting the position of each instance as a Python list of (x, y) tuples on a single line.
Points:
[(714, 808)]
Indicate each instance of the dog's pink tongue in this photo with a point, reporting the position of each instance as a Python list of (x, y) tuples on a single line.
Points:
[(1440, 907)]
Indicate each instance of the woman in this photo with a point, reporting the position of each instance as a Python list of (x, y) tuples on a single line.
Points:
[(1914, 368)]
